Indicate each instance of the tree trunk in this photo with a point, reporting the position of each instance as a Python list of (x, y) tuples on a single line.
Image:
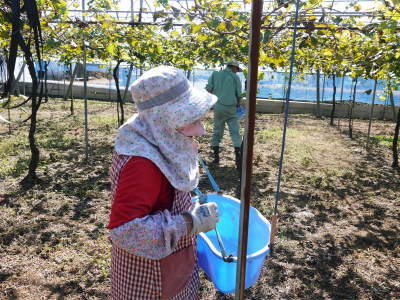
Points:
[(18, 40), (71, 81), (120, 104), (352, 109), (372, 111), (395, 142), (128, 80), (31, 177), (15, 82), (392, 103), (70, 86), (333, 99), (341, 97), (318, 95)]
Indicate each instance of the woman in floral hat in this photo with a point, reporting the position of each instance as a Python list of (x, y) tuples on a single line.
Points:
[(153, 224)]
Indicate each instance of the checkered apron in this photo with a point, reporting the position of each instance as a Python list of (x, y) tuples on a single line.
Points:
[(134, 277)]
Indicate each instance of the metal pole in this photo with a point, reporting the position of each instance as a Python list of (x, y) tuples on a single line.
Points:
[(85, 88), (274, 225), (140, 11), (132, 11), (9, 113), (255, 25), (109, 83), (23, 79), (140, 20), (341, 92)]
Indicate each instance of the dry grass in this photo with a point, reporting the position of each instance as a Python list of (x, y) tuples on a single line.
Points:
[(338, 235)]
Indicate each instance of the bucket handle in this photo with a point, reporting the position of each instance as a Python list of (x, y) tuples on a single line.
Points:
[(210, 177)]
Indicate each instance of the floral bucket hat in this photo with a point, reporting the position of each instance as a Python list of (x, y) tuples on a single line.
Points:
[(166, 90), (166, 101)]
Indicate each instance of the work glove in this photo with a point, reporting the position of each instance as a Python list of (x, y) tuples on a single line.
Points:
[(204, 216)]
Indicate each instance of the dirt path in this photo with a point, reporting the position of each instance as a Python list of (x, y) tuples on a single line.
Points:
[(338, 235)]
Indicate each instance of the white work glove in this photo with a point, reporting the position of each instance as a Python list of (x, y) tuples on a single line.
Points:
[(204, 216)]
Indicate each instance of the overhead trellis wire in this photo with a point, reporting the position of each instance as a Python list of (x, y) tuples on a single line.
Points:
[(146, 16), (317, 27)]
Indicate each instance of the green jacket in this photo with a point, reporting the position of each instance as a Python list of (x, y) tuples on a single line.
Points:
[(226, 86)]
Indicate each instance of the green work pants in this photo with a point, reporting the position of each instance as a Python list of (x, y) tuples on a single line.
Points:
[(226, 114)]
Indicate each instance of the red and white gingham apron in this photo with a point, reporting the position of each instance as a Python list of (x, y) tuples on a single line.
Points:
[(134, 277)]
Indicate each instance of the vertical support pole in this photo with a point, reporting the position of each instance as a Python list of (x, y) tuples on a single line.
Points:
[(109, 83), (85, 88), (9, 113), (64, 82), (278, 185), (283, 91), (341, 91), (140, 20), (23, 79), (255, 25), (140, 11), (318, 77), (132, 15)]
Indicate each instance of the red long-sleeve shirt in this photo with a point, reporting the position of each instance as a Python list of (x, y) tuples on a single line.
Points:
[(142, 189)]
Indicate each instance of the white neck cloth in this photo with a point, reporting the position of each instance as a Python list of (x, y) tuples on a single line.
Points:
[(171, 151)]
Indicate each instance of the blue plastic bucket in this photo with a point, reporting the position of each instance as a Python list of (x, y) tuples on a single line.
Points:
[(223, 274)]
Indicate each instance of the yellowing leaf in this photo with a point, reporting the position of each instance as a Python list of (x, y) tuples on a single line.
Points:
[(125, 56), (202, 37), (111, 48), (263, 56), (221, 26), (175, 34), (196, 28)]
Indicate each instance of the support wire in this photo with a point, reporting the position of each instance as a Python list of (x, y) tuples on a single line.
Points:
[(278, 186)]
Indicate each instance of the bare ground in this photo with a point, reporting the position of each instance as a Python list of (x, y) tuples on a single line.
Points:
[(338, 234)]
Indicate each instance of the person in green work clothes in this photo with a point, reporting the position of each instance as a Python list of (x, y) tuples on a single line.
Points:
[(226, 85)]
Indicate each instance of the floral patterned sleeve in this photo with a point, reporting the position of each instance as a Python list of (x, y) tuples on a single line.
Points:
[(153, 236)]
